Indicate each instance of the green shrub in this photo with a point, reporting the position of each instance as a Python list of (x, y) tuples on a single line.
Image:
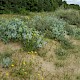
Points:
[(11, 29), (77, 33), (73, 31), (70, 30), (32, 40), (16, 30), (49, 25), (70, 15), (23, 11)]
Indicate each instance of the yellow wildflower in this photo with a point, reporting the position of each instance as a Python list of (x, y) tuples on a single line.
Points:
[(25, 72), (12, 65), (35, 52), (23, 69), (34, 34), (24, 62), (42, 78), (38, 74), (7, 74)]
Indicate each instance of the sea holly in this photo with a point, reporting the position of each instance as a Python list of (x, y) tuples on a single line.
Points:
[(16, 29)]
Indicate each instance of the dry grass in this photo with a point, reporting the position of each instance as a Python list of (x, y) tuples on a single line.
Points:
[(11, 45)]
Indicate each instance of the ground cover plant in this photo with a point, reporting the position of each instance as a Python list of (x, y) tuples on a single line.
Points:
[(17, 30), (52, 27)]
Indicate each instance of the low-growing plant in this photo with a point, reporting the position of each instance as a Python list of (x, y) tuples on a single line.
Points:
[(16, 30), (6, 62), (77, 33), (70, 30), (52, 28), (66, 44), (5, 59), (59, 64), (5, 54), (73, 31), (49, 25), (24, 71), (61, 53), (32, 40), (78, 77)]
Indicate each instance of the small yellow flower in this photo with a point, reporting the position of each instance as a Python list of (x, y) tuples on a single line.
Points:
[(38, 74), (35, 52), (12, 65), (7, 74), (25, 72), (34, 34), (23, 69), (42, 78), (24, 62)]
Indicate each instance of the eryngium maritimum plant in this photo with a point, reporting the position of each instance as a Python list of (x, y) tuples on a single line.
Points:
[(16, 29)]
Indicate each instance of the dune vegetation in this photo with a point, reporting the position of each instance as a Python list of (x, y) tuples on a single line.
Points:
[(40, 45)]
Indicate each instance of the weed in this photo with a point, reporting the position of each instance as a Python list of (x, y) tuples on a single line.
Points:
[(5, 59), (59, 64), (61, 53), (66, 44), (24, 71)]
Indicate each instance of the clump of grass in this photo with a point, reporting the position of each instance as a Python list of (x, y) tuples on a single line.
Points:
[(61, 53), (78, 77), (59, 64), (5, 59), (66, 44), (67, 77), (73, 31), (77, 33), (70, 30)]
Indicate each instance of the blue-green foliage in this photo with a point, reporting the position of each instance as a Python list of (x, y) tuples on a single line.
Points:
[(6, 62), (73, 31), (77, 33), (10, 29), (16, 29), (49, 25)]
